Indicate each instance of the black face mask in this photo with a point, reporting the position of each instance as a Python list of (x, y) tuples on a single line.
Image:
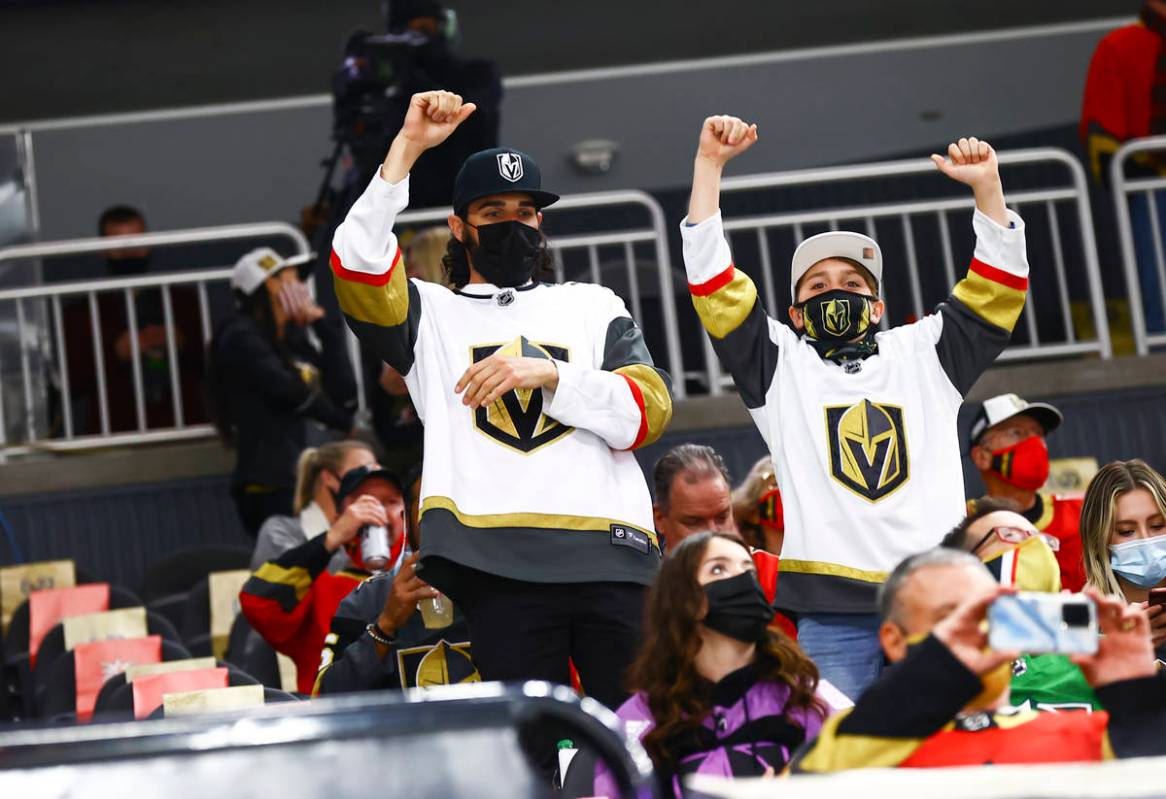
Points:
[(738, 608), (505, 252), (836, 316)]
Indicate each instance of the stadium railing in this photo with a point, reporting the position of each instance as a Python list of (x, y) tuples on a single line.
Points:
[(772, 237), (1124, 190), (633, 253)]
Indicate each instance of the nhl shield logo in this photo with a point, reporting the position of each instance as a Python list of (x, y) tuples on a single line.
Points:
[(516, 419), (510, 166), (868, 448)]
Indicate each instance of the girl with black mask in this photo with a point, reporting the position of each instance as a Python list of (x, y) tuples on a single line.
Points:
[(718, 691)]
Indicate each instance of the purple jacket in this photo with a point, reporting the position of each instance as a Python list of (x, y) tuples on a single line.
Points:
[(746, 732)]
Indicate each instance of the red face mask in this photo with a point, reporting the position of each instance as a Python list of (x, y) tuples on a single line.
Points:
[(1024, 464), (769, 510)]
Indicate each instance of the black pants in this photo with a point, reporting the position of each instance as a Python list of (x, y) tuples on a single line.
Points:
[(528, 631), (255, 507)]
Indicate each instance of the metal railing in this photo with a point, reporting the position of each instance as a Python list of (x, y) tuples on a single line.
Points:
[(908, 218), (636, 249), (30, 339), (1143, 190)]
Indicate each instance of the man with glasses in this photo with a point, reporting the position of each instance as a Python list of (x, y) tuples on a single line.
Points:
[(1007, 445)]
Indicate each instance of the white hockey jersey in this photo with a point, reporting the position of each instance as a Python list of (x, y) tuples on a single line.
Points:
[(540, 486), (867, 458)]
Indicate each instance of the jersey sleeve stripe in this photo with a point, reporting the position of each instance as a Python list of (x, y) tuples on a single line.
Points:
[(363, 277), (376, 299), (990, 272), (724, 309), (993, 301), (653, 399), (714, 285)]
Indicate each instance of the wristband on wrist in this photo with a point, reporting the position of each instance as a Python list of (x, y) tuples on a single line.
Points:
[(378, 635)]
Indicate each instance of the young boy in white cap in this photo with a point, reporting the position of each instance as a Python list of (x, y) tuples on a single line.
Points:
[(861, 424)]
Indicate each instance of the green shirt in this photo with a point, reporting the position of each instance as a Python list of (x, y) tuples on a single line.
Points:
[(1051, 682)]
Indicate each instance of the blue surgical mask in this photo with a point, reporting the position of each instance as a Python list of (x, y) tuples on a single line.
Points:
[(1141, 562)]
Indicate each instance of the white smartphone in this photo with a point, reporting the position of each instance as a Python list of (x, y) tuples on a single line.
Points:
[(1038, 623)]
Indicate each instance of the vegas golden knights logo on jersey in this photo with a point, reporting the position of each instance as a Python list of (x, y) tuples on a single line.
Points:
[(516, 420), (442, 663), (868, 448)]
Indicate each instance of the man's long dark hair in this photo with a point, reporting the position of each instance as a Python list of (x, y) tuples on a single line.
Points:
[(257, 305), (457, 262), (665, 668)]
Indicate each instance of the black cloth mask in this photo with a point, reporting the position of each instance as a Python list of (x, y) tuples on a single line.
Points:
[(738, 608), (506, 252), (834, 319), (128, 266)]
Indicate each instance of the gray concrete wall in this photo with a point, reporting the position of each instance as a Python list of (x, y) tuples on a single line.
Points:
[(827, 106)]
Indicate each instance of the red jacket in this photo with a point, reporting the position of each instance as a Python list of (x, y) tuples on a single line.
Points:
[(1061, 518), (291, 600), (768, 565)]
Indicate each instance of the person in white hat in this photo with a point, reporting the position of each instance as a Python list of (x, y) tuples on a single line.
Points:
[(1006, 444), (265, 379), (861, 424)]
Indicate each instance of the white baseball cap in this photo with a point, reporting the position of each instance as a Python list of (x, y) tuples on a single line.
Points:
[(996, 409), (261, 263), (836, 244)]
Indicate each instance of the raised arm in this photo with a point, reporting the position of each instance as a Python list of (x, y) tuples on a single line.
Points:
[(380, 304), (724, 297), (975, 323)]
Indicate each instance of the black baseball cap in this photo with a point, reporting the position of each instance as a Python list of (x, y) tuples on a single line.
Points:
[(499, 171), (354, 478)]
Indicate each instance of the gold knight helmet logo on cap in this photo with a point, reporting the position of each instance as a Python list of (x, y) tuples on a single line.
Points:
[(868, 448)]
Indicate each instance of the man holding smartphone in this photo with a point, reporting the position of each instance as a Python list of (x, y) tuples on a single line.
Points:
[(946, 682)]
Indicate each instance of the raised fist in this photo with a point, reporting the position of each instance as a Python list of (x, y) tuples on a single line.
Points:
[(973, 162), (723, 138), (432, 116)]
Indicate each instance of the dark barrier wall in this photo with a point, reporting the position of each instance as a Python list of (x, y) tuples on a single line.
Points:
[(115, 533)]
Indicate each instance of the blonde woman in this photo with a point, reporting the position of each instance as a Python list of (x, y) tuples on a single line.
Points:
[(423, 254), (757, 508), (318, 473), (1123, 533)]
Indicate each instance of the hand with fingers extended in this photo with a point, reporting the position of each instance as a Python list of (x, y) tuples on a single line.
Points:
[(965, 634), (364, 510), (723, 138), (1124, 650), (407, 590), (490, 378)]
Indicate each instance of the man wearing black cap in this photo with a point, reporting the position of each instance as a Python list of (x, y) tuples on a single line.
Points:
[(536, 519), (1006, 444), (290, 600)]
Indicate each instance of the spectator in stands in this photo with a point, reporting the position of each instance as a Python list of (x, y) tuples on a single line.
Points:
[(381, 639), (128, 357), (267, 379), (861, 424), (944, 700), (1007, 445), (536, 518), (291, 600), (318, 474), (692, 494), (1019, 556), (757, 508), (1123, 528), (424, 252), (1121, 102), (716, 690)]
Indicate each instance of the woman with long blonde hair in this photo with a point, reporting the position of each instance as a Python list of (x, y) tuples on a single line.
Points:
[(1123, 534)]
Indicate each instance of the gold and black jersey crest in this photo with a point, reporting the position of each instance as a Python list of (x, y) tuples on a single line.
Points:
[(442, 663), (516, 419), (868, 448)]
